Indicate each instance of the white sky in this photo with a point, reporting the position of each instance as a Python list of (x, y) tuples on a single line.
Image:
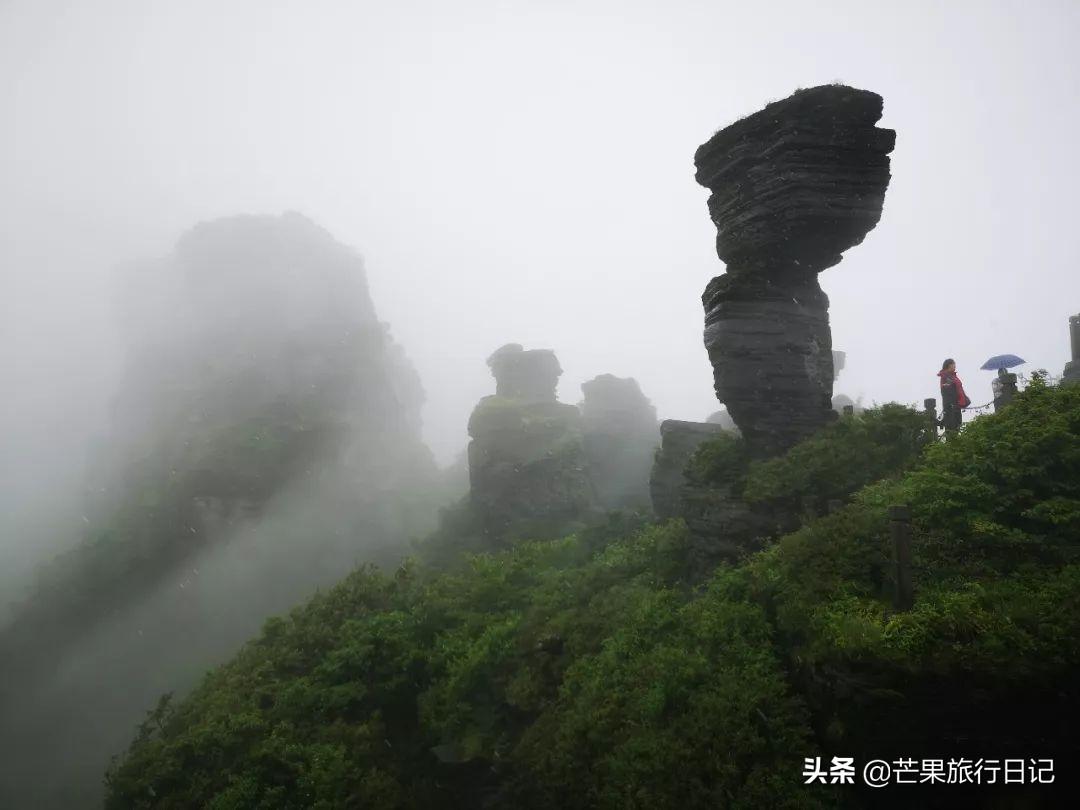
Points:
[(523, 172)]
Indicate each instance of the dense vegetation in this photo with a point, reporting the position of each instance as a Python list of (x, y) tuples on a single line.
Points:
[(587, 672), (833, 464)]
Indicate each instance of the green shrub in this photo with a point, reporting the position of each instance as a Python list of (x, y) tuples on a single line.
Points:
[(842, 458), (721, 458)]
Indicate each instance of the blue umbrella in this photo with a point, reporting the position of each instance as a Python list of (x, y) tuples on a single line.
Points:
[(999, 361)]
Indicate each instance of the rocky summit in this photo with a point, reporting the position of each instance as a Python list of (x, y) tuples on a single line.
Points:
[(793, 186), (527, 376)]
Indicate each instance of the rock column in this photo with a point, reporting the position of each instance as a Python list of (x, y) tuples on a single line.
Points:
[(793, 186), (527, 470)]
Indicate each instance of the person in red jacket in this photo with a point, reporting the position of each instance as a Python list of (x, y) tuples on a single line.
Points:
[(953, 398)]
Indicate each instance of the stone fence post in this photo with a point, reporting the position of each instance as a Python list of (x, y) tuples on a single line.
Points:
[(930, 409), (900, 528), (1072, 368)]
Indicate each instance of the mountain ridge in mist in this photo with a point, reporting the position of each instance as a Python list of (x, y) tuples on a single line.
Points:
[(265, 438)]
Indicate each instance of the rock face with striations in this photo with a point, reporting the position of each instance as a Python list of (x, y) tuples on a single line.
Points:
[(527, 470), (620, 436), (793, 186)]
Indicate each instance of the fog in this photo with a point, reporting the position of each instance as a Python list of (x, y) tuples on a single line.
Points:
[(510, 171)]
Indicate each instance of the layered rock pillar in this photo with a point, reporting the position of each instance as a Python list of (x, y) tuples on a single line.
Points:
[(793, 186), (527, 468)]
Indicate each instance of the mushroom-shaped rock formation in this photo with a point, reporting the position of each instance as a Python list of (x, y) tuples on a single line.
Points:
[(527, 470), (793, 186), (620, 435)]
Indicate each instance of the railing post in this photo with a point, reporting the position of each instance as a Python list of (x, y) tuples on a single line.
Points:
[(930, 409), (1074, 337), (1004, 387), (1072, 368), (900, 528)]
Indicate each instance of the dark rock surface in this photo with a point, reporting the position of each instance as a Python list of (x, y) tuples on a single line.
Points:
[(527, 466), (620, 435), (793, 186)]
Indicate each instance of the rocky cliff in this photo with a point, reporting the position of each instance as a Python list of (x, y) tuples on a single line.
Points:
[(793, 186), (256, 365)]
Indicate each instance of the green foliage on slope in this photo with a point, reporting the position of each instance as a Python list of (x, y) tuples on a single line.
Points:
[(848, 454), (585, 672), (986, 659), (834, 463), (567, 673)]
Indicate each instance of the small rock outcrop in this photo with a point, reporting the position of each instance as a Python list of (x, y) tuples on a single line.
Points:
[(527, 467), (793, 186), (620, 437), (721, 524)]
